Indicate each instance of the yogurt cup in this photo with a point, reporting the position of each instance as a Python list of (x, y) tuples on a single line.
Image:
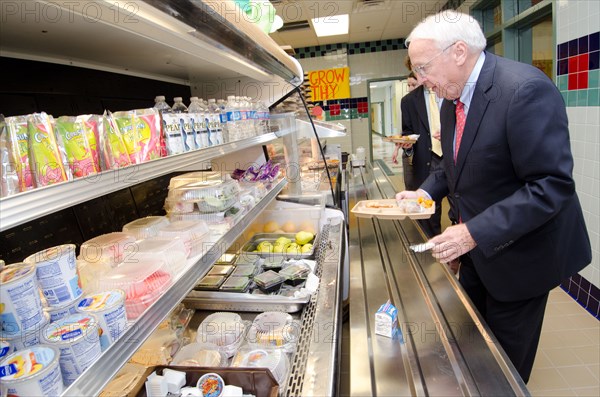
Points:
[(32, 372), (77, 338), (5, 349), (59, 312), (20, 299), (109, 309), (26, 339), (56, 273)]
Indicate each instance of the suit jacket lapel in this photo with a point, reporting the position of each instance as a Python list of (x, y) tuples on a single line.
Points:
[(479, 104)]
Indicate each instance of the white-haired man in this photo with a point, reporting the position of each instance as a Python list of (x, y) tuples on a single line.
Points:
[(507, 166)]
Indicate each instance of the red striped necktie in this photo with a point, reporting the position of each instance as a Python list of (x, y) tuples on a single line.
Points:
[(461, 118)]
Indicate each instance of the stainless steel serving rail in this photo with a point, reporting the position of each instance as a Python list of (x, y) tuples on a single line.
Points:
[(446, 348)]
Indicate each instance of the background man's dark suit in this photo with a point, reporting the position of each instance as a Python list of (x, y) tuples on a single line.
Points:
[(415, 121), (512, 185)]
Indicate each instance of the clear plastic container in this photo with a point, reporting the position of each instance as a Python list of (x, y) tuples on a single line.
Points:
[(146, 227), (274, 329), (274, 263), (91, 272), (244, 271), (110, 248), (227, 259), (200, 355), (247, 259), (210, 282), (223, 329), (169, 250), (191, 233), (175, 206), (295, 271), (209, 196), (274, 359), (192, 177), (236, 284), (220, 270), (143, 283), (269, 281)]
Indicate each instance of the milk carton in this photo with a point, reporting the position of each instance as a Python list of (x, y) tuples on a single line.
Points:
[(386, 320)]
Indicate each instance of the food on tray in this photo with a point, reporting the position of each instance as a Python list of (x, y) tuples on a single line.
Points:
[(377, 204), (427, 203)]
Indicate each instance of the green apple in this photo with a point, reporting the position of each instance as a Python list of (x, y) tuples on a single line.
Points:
[(281, 246), (265, 246), (303, 237), (293, 248), (306, 248)]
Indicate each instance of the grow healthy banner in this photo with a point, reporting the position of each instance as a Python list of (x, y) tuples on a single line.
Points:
[(330, 84)]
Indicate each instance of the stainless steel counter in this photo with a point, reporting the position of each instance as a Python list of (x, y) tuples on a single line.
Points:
[(445, 348)]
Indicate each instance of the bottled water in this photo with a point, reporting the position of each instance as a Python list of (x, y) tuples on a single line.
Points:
[(187, 130), (196, 113), (262, 118), (215, 128), (234, 119), (221, 103), (171, 127)]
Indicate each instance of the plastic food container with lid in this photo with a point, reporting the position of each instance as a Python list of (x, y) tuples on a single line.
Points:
[(209, 196), (274, 329), (274, 359), (236, 284), (200, 355), (56, 272), (193, 234), (142, 282), (78, 339), (110, 248), (170, 250), (196, 176), (226, 259), (109, 310), (146, 227), (244, 271), (223, 329), (220, 270), (269, 281), (210, 282), (21, 302), (295, 274), (34, 371)]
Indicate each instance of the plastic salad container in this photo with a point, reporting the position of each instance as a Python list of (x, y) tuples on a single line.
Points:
[(295, 274), (170, 250), (220, 270), (274, 359), (191, 177), (146, 227), (209, 195), (210, 282), (244, 271), (143, 283), (227, 259), (273, 329), (223, 329), (200, 355), (191, 233)]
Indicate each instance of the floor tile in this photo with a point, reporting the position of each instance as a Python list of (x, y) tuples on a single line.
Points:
[(579, 376), (546, 379), (587, 391), (560, 357), (588, 354)]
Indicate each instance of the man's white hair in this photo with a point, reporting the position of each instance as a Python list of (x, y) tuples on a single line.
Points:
[(448, 27)]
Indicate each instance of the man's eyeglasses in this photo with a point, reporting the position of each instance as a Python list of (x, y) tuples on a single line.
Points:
[(421, 70)]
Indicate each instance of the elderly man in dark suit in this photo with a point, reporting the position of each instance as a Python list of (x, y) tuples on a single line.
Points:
[(508, 167)]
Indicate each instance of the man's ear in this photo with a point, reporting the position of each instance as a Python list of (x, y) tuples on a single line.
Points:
[(460, 52)]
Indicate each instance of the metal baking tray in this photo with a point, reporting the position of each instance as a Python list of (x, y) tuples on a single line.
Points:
[(250, 246), (234, 301)]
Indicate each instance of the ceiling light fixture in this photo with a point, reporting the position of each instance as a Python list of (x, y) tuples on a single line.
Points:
[(331, 25)]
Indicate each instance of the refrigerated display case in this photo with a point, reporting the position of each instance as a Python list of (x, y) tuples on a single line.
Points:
[(185, 42)]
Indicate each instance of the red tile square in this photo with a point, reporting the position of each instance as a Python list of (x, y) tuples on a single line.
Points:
[(573, 64), (334, 110), (582, 80), (573, 81), (363, 109), (584, 62)]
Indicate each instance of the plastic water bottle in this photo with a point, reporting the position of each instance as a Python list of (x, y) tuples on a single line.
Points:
[(215, 126), (196, 113), (187, 130), (171, 127), (234, 119), (221, 103)]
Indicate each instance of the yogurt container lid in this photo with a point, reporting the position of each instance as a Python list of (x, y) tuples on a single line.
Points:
[(70, 328), (211, 385), (25, 364), (16, 271), (94, 303)]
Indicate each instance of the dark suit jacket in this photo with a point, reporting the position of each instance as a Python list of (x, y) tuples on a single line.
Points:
[(415, 121), (512, 184)]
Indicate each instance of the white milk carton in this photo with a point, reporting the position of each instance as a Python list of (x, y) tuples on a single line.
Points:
[(386, 320)]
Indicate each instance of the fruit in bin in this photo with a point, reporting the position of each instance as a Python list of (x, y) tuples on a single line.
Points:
[(306, 248), (289, 227), (293, 248), (270, 227), (280, 247), (265, 246), (279, 231), (283, 240), (304, 237), (307, 226)]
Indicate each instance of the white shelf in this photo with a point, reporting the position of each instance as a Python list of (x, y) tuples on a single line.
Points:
[(23, 207), (93, 380), (163, 40), (324, 129)]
